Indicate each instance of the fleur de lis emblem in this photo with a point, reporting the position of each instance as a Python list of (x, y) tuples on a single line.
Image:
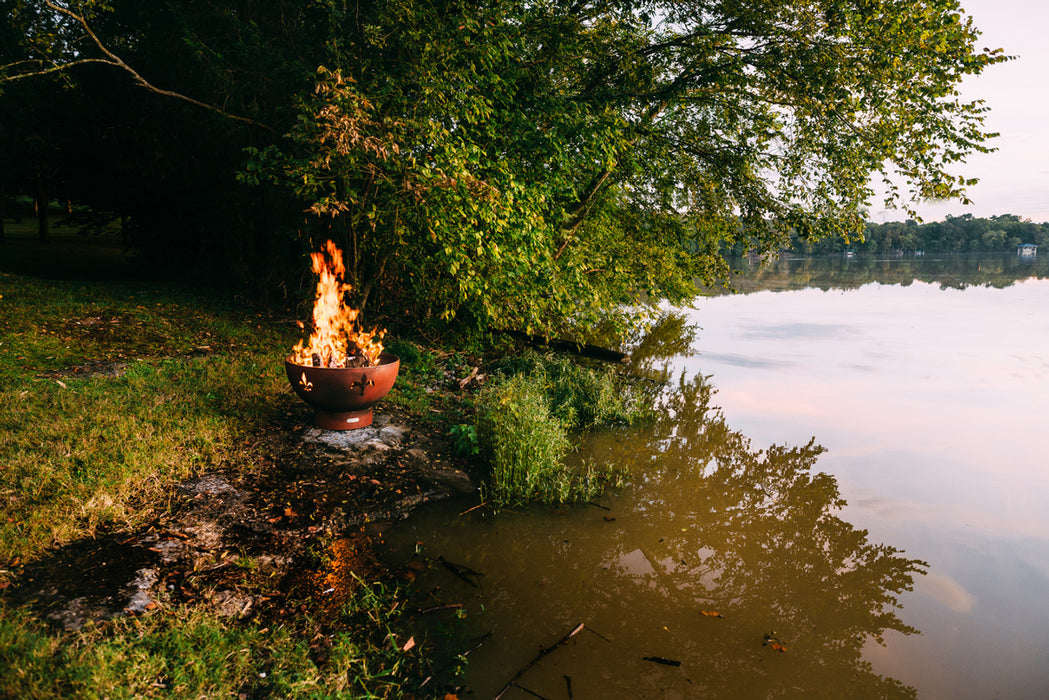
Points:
[(306, 384), (363, 384)]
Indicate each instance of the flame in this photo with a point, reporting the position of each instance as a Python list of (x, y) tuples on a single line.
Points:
[(337, 339)]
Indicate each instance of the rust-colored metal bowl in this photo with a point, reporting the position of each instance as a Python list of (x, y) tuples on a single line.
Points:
[(342, 397)]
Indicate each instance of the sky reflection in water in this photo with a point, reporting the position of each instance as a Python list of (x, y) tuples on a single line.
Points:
[(932, 404)]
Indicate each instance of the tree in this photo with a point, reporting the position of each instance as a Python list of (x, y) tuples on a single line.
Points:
[(526, 163)]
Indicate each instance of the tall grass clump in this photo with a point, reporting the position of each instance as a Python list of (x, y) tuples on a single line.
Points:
[(523, 441), (582, 397), (524, 419)]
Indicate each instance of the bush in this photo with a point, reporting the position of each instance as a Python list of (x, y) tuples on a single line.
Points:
[(524, 417), (582, 397), (524, 443)]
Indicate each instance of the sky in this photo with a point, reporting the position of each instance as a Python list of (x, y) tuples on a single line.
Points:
[(1015, 178)]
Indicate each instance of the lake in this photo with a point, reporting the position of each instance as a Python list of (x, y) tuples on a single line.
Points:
[(847, 495)]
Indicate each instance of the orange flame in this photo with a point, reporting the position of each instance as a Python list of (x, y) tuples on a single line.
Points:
[(337, 340)]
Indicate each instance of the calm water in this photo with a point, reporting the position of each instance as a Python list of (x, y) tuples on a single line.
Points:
[(848, 496)]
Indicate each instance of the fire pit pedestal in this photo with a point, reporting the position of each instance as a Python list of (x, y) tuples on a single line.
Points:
[(342, 397)]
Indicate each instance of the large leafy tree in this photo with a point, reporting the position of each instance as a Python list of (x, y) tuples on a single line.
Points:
[(525, 163), (528, 162)]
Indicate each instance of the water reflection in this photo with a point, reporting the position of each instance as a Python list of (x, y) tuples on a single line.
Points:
[(728, 559), (948, 271)]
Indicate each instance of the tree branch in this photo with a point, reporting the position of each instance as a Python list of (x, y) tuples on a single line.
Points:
[(112, 59)]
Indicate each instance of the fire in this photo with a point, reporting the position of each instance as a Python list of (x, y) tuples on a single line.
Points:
[(337, 339)]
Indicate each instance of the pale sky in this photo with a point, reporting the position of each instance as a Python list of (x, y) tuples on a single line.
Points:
[(1015, 178)]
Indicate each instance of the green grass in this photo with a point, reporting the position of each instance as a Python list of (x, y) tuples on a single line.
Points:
[(79, 451), (113, 391), (524, 419), (189, 653)]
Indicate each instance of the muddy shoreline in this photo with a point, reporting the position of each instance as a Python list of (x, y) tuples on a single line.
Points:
[(279, 537)]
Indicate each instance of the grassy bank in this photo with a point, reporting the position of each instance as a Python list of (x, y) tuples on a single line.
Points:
[(112, 391)]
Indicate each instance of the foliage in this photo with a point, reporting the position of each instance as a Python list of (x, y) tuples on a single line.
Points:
[(192, 654), (580, 397), (464, 440), (523, 422), (523, 441), (507, 163)]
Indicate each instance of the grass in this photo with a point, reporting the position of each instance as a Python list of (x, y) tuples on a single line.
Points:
[(524, 420), (111, 392), (82, 450), (189, 653)]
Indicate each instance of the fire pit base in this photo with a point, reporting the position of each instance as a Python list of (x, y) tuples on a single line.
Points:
[(342, 420)]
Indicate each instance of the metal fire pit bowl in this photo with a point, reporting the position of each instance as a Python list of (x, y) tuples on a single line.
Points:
[(342, 397)]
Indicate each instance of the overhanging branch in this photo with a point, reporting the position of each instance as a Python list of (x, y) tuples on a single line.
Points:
[(111, 59)]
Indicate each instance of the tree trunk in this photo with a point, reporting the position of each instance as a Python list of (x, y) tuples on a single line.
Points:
[(43, 196)]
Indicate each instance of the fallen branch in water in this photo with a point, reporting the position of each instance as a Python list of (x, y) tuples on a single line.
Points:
[(462, 572), (542, 654), (531, 692)]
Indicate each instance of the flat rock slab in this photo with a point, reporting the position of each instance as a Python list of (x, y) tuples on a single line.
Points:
[(376, 437)]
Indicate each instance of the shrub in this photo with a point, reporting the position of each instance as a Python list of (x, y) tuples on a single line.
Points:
[(524, 443), (582, 397), (524, 417)]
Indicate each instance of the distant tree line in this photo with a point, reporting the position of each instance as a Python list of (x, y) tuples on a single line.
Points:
[(961, 234)]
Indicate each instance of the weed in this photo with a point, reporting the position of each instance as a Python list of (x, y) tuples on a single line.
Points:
[(464, 440), (523, 421)]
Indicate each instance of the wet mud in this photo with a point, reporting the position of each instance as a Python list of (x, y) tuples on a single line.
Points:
[(285, 534)]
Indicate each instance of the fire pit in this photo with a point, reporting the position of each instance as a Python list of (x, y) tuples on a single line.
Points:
[(342, 371), (342, 397)]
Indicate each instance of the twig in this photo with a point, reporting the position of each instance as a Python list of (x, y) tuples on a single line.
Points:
[(542, 654), (531, 692), (439, 608), (598, 634), (462, 572), (470, 510)]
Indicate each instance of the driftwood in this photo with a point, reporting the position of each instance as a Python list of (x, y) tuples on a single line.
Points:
[(582, 349), (543, 653)]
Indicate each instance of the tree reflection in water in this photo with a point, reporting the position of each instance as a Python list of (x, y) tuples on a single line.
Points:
[(707, 524), (753, 535)]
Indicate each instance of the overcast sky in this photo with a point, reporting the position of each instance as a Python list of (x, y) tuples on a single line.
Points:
[(1015, 178)]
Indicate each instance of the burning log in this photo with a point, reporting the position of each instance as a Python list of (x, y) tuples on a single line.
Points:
[(337, 339), (341, 370)]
